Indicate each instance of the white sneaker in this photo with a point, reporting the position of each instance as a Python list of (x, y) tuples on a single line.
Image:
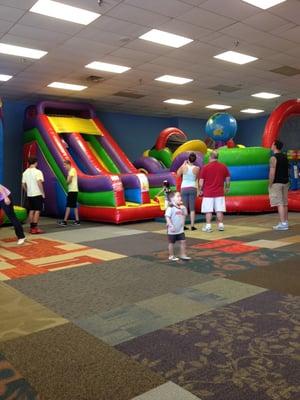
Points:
[(185, 258), (281, 227), (173, 258), (221, 227), (21, 241), (207, 229)]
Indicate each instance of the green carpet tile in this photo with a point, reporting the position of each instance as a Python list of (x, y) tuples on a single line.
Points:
[(281, 276), (66, 363)]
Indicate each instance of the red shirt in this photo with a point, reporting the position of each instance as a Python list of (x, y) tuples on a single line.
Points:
[(214, 174)]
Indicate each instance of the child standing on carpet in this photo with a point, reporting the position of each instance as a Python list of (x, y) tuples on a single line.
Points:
[(175, 217), (72, 182)]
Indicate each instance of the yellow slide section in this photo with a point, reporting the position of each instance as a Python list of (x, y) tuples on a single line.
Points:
[(191, 145), (74, 124)]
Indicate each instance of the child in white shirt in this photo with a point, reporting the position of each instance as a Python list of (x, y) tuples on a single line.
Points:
[(175, 217)]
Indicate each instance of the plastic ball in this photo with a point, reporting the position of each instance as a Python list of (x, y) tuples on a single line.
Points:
[(221, 127)]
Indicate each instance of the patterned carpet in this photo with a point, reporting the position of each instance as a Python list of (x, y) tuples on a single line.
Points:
[(97, 312)]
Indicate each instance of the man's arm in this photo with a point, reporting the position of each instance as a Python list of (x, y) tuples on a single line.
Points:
[(24, 187), (273, 162), (201, 183), (227, 184), (41, 187)]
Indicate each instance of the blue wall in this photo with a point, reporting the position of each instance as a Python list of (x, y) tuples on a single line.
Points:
[(250, 131)]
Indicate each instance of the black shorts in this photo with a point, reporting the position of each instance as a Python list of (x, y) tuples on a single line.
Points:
[(35, 203), (72, 199), (176, 238)]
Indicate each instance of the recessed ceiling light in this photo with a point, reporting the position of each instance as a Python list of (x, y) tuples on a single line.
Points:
[(63, 11), (264, 4), (180, 102), (21, 51), (265, 95), (177, 80), (66, 86), (5, 78), (235, 57), (102, 66), (166, 38), (252, 111), (218, 107)]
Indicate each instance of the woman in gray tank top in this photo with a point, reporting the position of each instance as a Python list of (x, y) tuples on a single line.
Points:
[(189, 172)]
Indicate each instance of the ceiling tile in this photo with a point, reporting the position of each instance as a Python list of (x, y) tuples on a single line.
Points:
[(169, 8), (289, 10), (43, 35), (265, 21), (206, 19), (132, 14), (230, 8), (10, 13), (185, 29), (292, 34), (51, 24)]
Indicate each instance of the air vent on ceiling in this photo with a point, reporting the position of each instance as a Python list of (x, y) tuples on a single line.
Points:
[(95, 79), (130, 95), (286, 70), (225, 88)]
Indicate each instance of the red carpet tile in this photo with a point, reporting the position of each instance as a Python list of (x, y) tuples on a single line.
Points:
[(227, 246)]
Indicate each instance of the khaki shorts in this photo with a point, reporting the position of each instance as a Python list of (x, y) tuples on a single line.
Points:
[(278, 194)]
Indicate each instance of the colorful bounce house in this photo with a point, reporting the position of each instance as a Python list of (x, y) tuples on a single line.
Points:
[(20, 211), (249, 166), (111, 189)]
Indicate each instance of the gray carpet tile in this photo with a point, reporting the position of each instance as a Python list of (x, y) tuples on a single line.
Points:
[(78, 292)]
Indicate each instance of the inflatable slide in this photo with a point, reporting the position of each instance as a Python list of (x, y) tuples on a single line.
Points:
[(111, 189)]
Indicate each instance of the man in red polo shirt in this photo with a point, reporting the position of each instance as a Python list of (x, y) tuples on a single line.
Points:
[(214, 176)]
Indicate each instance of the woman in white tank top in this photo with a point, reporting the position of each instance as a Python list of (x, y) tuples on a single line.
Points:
[(189, 172)]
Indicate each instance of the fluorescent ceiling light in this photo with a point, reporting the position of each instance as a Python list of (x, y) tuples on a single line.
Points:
[(235, 57), (177, 80), (5, 78), (264, 4), (180, 102), (166, 38), (218, 107), (66, 86), (265, 95), (21, 51), (102, 66), (252, 111), (63, 11)]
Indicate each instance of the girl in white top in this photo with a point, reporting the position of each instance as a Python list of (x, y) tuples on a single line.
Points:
[(189, 172)]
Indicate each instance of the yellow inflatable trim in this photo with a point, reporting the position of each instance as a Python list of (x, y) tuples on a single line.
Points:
[(191, 145), (74, 124), (146, 153)]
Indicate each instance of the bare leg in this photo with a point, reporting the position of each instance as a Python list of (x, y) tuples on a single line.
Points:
[(31, 214), (286, 213), (208, 217), (182, 248), (76, 214), (220, 217), (67, 214), (192, 216), (282, 213), (36, 217), (171, 249)]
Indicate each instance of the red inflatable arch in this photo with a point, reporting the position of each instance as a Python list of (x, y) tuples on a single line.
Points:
[(164, 136), (277, 118)]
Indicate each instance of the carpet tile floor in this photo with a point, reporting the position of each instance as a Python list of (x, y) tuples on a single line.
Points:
[(98, 312)]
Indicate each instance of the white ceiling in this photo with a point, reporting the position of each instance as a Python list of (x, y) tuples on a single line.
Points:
[(215, 25)]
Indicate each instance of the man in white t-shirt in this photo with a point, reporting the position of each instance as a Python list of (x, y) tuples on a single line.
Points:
[(32, 183)]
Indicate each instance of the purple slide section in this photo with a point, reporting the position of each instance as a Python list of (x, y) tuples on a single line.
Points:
[(150, 164), (79, 151), (156, 180), (113, 155), (179, 160), (50, 188)]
